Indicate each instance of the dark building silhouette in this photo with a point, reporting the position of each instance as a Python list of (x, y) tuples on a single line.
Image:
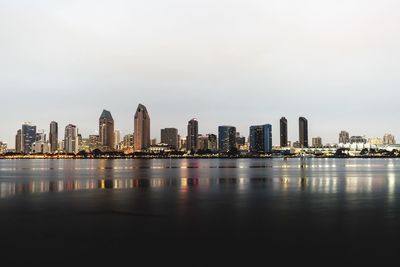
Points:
[(192, 139), (303, 132), (28, 137), (18, 141), (261, 138), (53, 136), (106, 131), (283, 132), (226, 138), (142, 129), (169, 136)]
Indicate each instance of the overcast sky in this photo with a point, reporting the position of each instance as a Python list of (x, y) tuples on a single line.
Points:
[(224, 62)]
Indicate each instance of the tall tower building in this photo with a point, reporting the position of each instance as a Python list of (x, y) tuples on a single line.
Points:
[(142, 129), (117, 139), (18, 141), (192, 139), (317, 142), (106, 130), (226, 138), (344, 137), (303, 132), (28, 137), (283, 132), (53, 136), (71, 139), (169, 136), (261, 138)]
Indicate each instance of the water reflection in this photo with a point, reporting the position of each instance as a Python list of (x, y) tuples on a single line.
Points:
[(319, 176)]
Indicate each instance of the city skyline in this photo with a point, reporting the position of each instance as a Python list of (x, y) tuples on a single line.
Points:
[(258, 62), (140, 108)]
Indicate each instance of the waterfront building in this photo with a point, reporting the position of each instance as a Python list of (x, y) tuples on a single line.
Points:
[(261, 138), (28, 137), (106, 131), (388, 139), (358, 140), (375, 141), (283, 124), (212, 142), (317, 142), (240, 140), (3, 147), (18, 141), (226, 139), (53, 137), (128, 142), (71, 139), (153, 142), (169, 136), (142, 129), (117, 139), (192, 139), (303, 132), (94, 142), (344, 137)]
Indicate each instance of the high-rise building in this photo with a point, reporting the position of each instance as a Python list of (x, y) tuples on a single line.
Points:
[(203, 143), (142, 128), (283, 132), (212, 142), (358, 140), (53, 136), (240, 140), (317, 142), (261, 138), (28, 137), (303, 132), (18, 141), (388, 139), (3, 147), (40, 136), (344, 137), (117, 138), (106, 130), (192, 139), (128, 142), (169, 136), (71, 139), (226, 139), (94, 141)]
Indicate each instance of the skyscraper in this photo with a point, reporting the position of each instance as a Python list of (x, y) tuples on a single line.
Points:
[(212, 142), (283, 132), (317, 142), (28, 137), (142, 129), (169, 136), (53, 136), (106, 130), (261, 138), (192, 140), (226, 139), (71, 139), (18, 141), (344, 137), (303, 132), (117, 139)]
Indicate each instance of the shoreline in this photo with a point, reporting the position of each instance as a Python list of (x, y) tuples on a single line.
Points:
[(61, 157)]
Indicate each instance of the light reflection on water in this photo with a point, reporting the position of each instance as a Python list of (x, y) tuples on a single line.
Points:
[(325, 176)]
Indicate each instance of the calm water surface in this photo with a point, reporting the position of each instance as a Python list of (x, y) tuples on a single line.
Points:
[(347, 206)]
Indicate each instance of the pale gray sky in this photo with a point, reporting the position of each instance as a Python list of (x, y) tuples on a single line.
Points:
[(224, 62)]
